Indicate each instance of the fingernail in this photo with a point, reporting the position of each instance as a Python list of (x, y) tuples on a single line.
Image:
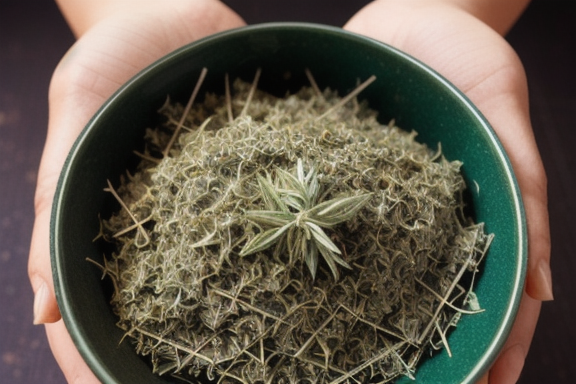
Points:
[(40, 299), (545, 277)]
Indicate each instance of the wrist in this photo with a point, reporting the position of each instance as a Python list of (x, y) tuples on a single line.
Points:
[(81, 16), (499, 15)]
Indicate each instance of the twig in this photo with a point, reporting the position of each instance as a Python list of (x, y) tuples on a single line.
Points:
[(186, 111)]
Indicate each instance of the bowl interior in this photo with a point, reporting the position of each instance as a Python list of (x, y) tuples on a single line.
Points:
[(405, 90)]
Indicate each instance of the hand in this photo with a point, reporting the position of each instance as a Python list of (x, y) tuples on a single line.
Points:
[(479, 62), (108, 54)]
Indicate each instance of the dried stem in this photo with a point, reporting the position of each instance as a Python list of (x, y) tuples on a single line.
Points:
[(251, 93), (349, 97), (186, 111), (137, 223), (228, 99), (313, 84)]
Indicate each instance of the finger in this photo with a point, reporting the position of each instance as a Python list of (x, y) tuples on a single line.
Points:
[(45, 306), (508, 366), (484, 379), (539, 275), (67, 356), (508, 113)]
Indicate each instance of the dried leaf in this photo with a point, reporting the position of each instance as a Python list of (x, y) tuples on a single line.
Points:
[(264, 240), (338, 210)]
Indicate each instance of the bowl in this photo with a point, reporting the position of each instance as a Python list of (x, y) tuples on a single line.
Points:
[(407, 90)]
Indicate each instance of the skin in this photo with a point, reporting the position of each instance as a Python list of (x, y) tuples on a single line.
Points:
[(458, 38)]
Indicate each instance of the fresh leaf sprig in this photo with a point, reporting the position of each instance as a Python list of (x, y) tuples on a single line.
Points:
[(295, 220)]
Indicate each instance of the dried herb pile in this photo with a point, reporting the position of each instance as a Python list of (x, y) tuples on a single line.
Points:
[(289, 240)]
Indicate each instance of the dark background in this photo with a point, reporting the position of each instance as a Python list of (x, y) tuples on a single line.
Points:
[(33, 37)]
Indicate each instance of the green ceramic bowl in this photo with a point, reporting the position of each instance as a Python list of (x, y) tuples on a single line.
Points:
[(406, 90)]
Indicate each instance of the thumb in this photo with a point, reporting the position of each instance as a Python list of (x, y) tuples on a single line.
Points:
[(45, 306), (67, 116)]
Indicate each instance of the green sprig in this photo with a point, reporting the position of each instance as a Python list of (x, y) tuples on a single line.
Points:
[(293, 214)]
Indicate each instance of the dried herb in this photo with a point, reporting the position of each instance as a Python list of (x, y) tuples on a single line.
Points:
[(289, 240)]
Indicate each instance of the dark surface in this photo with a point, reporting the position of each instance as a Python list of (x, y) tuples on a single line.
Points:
[(33, 37)]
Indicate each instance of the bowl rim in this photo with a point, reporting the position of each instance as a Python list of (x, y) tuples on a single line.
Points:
[(67, 309)]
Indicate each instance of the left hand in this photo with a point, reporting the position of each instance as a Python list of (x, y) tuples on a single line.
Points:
[(106, 55)]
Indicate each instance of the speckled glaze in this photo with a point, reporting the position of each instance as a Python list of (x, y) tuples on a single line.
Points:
[(406, 90)]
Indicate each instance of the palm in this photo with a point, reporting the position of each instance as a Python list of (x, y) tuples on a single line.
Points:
[(481, 64)]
